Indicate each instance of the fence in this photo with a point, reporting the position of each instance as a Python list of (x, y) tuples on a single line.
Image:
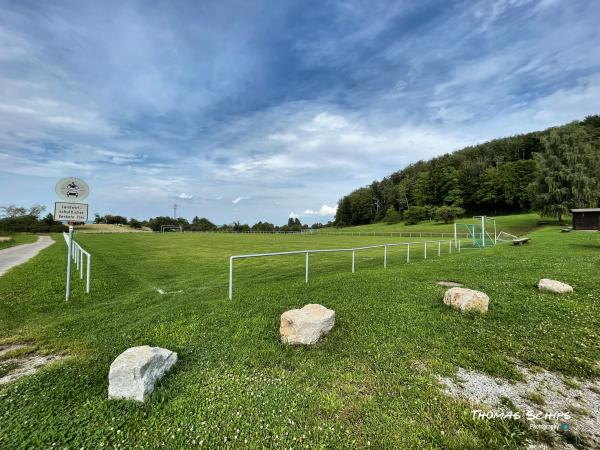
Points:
[(437, 249), (77, 253), (419, 234)]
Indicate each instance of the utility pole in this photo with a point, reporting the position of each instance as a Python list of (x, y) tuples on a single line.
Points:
[(175, 211)]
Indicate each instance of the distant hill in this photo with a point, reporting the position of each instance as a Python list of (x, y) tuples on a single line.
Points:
[(491, 178)]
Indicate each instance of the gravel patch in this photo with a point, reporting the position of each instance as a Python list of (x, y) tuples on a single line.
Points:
[(26, 365), (545, 399), (449, 284)]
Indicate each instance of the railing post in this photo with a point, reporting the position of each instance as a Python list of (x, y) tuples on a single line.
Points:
[(230, 277), (384, 256), (88, 273), (439, 248), (306, 276), (407, 252), (80, 264), (425, 253), (352, 261)]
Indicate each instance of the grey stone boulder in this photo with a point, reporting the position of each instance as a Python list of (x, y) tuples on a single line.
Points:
[(545, 284), (134, 372), (467, 299), (306, 326)]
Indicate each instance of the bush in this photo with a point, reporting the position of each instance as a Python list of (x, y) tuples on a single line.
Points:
[(392, 216), (447, 214), (31, 224), (415, 214)]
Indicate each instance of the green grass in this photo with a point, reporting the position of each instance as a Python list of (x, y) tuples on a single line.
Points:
[(17, 239), (370, 382), (515, 224)]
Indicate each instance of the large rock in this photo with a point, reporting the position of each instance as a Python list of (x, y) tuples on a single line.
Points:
[(135, 371), (306, 326), (557, 287), (467, 299)]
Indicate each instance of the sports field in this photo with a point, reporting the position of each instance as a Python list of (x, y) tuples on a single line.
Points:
[(373, 381)]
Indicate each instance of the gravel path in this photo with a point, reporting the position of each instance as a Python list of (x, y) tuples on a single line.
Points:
[(13, 256)]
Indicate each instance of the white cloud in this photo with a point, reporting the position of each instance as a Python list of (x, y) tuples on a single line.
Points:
[(236, 200), (325, 210), (293, 215), (185, 196)]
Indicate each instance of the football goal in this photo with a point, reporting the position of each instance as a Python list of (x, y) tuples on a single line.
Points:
[(482, 233), (171, 228)]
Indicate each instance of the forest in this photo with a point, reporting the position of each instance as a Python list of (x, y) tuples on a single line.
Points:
[(548, 171)]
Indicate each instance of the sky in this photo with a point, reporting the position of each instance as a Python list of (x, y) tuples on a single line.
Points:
[(262, 110)]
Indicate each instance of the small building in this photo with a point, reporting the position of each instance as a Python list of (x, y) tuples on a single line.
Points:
[(586, 219)]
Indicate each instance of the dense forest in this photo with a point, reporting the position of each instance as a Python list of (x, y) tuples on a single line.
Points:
[(548, 171)]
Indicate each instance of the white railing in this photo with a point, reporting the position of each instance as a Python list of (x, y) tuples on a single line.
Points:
[(320, 231), (437, 248), (77, 253)]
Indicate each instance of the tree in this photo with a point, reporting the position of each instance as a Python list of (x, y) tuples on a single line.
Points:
[(567, 173), (202, 224), (392, 216), (447, 214)]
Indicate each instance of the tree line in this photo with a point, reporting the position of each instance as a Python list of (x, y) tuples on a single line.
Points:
[(203, 224), (548, 171)]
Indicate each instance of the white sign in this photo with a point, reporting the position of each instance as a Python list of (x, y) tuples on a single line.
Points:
[(70, 212), (72, 189)]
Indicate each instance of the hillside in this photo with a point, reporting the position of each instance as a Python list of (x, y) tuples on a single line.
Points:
[(496, 177)]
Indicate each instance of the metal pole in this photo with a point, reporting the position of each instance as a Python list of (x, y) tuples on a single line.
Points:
[(407, 252), (80, 264), (230, 278), (70, 249), (425, 254), (455, 236), (495, 235), (483, 231), (352, 261), (439, 248), (88, 269), (385, 256), (306, 277)]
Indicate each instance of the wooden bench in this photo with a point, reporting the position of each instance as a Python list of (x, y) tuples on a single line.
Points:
[(521, 241)]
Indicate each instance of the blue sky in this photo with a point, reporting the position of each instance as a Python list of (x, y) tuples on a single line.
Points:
[(249, 110)]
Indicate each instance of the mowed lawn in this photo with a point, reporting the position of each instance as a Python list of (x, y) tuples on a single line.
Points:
[(516, 224), (371, 382)]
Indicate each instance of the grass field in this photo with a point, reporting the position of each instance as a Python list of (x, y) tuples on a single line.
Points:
[(16, 239), (371, 382), (515, 224)]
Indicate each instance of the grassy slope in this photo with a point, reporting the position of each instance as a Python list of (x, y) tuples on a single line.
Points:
[(515, 224), (371, 381), (17, 239)]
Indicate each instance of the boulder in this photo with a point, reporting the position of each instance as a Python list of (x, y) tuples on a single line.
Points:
[(466, 299), (306, 326), (557, 287), (135, 371)]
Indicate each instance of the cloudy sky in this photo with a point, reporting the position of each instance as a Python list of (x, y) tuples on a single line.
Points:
[(250, 110)]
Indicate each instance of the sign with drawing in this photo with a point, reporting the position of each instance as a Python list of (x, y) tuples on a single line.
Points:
[(72, 189), (70, 212)]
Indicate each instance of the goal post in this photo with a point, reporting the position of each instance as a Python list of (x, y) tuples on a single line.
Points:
[(171, 228), (478, 231)]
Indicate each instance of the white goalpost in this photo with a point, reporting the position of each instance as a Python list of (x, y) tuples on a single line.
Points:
[(478, 232), (171, 228)]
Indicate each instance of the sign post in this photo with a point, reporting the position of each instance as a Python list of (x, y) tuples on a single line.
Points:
[(72, 191)]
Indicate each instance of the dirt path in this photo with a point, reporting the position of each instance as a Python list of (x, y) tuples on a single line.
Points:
[(13, 256)]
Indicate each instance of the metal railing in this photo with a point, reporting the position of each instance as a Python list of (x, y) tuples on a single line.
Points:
[(319, 231), (77, 253), (437, 249)]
